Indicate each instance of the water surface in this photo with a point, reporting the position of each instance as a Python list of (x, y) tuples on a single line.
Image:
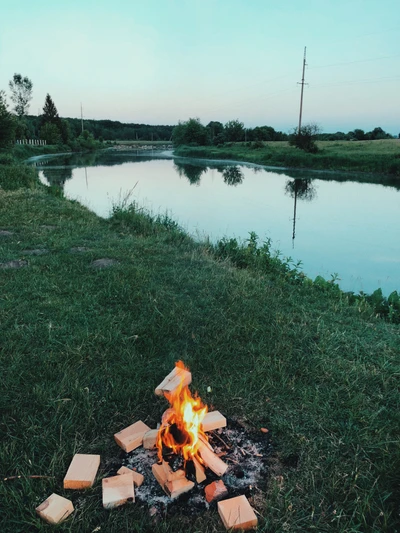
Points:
[(336, 226)]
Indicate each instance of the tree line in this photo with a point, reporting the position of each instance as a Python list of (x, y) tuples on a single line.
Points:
[(17, 124), (193, 133), (72, 133)]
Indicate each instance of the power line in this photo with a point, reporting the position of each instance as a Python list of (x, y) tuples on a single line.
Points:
[(353, 62)]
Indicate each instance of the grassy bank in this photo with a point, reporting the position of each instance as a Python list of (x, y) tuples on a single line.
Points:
[(363, 156), (82, 350)]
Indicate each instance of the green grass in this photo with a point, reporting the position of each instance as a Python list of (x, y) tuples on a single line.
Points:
[(83, 349), (363, 156)]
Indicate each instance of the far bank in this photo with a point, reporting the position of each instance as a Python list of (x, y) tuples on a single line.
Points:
[(381, 156)]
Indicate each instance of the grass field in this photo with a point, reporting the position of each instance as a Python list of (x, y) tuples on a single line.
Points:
[(365, 156), (82, 350)]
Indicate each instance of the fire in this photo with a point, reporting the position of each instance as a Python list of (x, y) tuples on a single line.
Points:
[(181, 424)]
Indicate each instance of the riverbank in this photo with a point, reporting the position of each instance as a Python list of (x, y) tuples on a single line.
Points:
[(381, 156), (83, 348)]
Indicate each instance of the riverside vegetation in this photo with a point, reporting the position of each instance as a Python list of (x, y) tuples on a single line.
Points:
[(83, 348), (379, 156)]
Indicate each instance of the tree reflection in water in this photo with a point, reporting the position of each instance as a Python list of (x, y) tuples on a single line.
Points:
[(233, 175), (303, 189), (192, 172), (57, 177)]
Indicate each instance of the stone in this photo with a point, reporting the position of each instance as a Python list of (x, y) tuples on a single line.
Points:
[(104, 263), (5, 233), (18, 263), (37, 251)]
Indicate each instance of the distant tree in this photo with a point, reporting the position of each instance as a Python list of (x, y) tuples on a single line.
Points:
[(216, 129), (191, 132), (50, 133), (50, 113), (234, 131), (7, 123), (378, 133), (21, 94), (305, 138), (358, 134)]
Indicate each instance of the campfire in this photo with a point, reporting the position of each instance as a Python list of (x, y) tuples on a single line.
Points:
[(183, 456), (182, 443)]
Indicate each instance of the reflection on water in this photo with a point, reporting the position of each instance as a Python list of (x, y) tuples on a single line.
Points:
[(339, 225)]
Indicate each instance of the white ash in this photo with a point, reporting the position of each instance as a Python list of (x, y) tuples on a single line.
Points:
[(247, 471)]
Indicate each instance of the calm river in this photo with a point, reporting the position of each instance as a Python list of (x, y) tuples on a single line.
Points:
[(334, 226)]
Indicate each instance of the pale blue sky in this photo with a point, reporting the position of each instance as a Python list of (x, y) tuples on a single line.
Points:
[(160, 61)]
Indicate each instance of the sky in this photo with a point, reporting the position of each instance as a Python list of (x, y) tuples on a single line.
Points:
[(161, 61)]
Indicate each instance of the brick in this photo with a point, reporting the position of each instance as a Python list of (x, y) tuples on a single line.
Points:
[(237, 513), (137, 478), (132, 436), (173, 380), (213, 420), (55, 509), (150, 439), (117, 490), (82, 471), (215, 491)]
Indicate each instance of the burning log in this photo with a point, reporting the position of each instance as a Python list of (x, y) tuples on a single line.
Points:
[(132, 436), (237, 513), (55, 509), (199, 471), (150, 439), (211, 460), (82, 471), (179, 376), (213, 420), (174, 487), (170, 474), (117, 490)]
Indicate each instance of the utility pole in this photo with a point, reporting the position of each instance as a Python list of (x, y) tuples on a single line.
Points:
[(81, 117), (302, 89)]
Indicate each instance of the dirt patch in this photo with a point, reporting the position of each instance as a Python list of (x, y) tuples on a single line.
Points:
[(19, 263), (37, 251), (79, 249), (104, 263)]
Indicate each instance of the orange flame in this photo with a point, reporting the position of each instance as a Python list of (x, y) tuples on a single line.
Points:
[(181, 424)]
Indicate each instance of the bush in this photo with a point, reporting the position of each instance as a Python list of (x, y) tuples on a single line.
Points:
[(305, 138)]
